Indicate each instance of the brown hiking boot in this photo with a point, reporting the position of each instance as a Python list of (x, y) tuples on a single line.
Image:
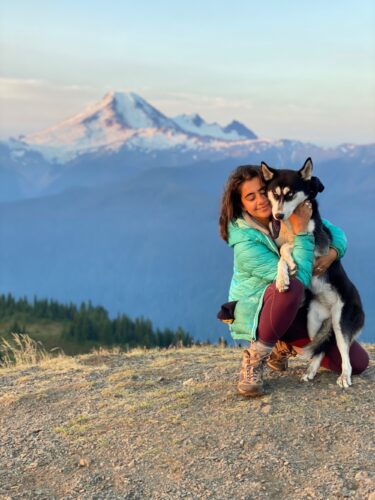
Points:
[(251, 374), (278, 359)]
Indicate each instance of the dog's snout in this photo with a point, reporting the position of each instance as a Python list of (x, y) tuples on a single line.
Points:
[(279, 216)]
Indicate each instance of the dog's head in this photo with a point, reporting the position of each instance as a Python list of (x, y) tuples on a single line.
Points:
[(286, 189)]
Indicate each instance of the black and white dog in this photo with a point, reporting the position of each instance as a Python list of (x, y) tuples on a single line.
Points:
[(334, 304)]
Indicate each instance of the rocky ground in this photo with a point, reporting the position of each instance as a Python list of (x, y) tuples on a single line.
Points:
[(169, 424)]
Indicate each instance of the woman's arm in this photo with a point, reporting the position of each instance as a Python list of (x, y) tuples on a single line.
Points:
[(304, 242), (339, 241), (255, 259), (303, 255), (336, 251)]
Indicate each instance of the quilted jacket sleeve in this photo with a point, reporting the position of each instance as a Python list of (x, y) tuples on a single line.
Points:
[(255, 259), (303, 255), (339, 241)]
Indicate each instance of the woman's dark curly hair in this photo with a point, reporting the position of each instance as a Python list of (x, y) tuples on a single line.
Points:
[(231, 206)]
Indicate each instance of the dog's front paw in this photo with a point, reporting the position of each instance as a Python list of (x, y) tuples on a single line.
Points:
[(344, 381), (307, 377), (282, 283), (282, 277), (293, 269)]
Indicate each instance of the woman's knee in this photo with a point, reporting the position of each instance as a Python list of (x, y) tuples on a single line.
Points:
[(296, 287), (294, 294), (359, 358)]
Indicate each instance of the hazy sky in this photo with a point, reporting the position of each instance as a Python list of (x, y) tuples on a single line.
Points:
[(287, 69)]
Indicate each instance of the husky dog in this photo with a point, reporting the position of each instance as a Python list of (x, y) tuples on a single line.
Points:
[(334, 304)]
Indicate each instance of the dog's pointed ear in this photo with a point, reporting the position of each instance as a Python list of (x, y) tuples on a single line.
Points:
[(316, 186), (306, 171), (267, 172)]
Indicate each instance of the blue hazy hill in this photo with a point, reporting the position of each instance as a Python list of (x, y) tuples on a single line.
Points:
[(148, 244), (119, 205)]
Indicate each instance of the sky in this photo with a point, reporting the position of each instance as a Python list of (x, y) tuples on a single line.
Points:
[(287, 69)]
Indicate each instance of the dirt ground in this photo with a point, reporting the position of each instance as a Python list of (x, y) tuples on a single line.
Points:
[(169, 424)]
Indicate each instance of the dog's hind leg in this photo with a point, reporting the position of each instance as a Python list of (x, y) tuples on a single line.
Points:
[(343, 344), (319, 327), (313, 367)]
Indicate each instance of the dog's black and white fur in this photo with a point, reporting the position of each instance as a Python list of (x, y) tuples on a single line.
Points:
[(334, 304)]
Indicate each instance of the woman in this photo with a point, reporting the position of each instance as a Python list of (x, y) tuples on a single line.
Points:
[(272, 321)]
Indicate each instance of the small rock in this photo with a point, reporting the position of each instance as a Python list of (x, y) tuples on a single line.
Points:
[(361, 476), (189, 381), (266, 409), (83, 462)]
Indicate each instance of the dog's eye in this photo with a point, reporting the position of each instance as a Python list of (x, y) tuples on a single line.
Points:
[(275, 195), (289, 195)]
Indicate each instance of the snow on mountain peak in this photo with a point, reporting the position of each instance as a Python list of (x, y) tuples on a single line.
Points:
[(136, 113), (195, 124), (109, 123), (126, 119)]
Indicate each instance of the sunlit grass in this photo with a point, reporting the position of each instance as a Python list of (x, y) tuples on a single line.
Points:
[(22, 350)]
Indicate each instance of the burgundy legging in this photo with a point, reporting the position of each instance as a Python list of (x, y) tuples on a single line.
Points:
[(282, 318)]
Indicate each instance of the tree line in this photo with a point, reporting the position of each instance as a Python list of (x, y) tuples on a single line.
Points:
[(91, 323)]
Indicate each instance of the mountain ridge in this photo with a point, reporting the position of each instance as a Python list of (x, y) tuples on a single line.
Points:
[(125, 123), (126, 118), (90, 227)]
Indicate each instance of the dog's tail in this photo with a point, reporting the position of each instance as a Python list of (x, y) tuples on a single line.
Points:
[(320, 341)]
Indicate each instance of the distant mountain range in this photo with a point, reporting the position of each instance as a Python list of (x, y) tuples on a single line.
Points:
[(119, 205), (125, 122)]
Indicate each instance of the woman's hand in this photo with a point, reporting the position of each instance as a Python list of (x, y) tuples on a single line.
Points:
[(322, 263), (301, 217)]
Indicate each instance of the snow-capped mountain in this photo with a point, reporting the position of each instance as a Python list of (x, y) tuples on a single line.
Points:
[(123, 133), (118, 118), (126, 120), (126, 125), (195, 124)]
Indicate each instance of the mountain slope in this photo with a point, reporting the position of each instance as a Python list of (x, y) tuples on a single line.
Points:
[(108, 123), (112, 139), (149, 244), (169, 424), (195, 124), (126, 120)]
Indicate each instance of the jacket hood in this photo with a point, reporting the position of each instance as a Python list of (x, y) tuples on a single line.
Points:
[(238, 229)]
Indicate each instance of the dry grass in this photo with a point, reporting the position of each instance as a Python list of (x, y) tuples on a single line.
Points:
[(22, 350), (160, 423)]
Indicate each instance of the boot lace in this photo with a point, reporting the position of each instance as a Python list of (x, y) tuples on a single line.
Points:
[(254, 369), (285, 352)]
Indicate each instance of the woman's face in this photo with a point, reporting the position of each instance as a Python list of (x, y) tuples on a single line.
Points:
[(254, 199)]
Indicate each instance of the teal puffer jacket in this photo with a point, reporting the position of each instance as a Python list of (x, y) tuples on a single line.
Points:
[(255, 267)]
